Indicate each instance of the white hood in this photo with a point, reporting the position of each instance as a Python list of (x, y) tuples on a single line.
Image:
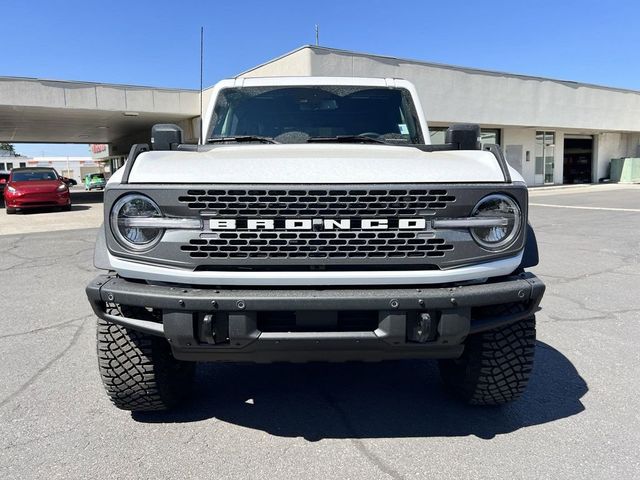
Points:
[(313, 163)]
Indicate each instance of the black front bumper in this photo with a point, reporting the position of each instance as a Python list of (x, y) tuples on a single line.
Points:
[(240, 325)]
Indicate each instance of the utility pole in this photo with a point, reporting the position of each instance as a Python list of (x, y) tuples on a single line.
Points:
[(201, 142), (317, 35)]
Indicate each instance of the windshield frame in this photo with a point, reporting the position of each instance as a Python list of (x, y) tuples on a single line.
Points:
[(409, 117)]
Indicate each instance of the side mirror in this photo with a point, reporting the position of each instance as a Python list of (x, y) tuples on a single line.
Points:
[(464, 136), (165, 136), (3, 180)]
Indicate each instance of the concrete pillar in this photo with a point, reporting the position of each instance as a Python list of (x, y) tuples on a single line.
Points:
[(525, 137), (558, 163), (607, 145)]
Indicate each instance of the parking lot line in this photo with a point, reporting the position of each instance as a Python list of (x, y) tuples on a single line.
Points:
[(585, 208)]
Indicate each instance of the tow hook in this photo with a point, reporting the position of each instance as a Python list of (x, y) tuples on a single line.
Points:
[(424, 329)]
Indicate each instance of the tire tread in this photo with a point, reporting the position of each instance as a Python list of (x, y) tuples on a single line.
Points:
[(138, 370), (495, 366)]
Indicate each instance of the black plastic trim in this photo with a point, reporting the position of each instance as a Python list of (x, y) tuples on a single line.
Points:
[(497, 152), (181, 306), (466, 136), (530, 256), (136, 150), (111, 288), (100, 252)]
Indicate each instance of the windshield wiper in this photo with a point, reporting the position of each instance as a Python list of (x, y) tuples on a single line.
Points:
[(242, 138), (346, 139)]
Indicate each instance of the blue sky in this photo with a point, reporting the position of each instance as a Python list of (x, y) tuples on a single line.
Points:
[(156, 42)]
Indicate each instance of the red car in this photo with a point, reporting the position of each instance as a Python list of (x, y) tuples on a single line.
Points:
[(34, 188)]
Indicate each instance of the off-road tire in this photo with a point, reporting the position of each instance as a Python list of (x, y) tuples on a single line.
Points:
[(138, 370), (495, 366)]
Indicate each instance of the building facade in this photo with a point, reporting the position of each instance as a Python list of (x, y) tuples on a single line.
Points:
[(552, 131), (70, 167), (9, 160)]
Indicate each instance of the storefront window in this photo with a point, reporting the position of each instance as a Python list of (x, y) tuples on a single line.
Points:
[(437, 135), (490, 136), (545, 154), (487, 135)]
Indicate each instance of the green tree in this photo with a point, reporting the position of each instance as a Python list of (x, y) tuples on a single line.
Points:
[(8, 147)]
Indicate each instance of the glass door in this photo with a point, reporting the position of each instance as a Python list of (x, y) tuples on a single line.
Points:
[(545, 157)]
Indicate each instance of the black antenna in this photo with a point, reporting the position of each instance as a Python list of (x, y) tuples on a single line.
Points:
[(201, 74), (317, 34)]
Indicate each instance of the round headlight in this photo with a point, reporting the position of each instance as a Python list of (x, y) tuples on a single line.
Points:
[(127, 227), (508, 218)]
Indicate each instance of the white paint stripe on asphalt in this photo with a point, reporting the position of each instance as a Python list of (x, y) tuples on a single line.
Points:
[(586, 208)]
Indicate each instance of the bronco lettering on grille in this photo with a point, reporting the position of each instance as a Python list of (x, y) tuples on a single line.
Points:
[(317, 224)]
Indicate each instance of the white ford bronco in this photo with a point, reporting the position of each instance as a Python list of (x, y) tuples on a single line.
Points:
[(315, 221)]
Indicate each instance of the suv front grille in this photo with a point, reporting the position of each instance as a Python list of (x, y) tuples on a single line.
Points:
[(351, 203), (268, 226)]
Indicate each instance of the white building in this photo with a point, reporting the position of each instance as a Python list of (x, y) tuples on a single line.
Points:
[(552, 131), (71, 167), (9, 160)]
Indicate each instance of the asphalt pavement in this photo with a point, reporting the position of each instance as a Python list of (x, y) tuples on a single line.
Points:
[(578, 419)]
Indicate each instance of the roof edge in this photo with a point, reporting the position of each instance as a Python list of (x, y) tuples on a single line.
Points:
[(95, 84), (273, 60), (572, 83)]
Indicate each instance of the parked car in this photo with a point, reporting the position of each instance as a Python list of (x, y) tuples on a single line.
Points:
[(94, 181), (34, 188), (70, 182), (4, 178)]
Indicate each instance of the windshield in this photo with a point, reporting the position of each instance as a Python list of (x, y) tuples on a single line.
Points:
[(297, 114), (30, 175)]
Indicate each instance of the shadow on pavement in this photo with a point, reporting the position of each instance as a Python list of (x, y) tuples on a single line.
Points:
[(374, 400)]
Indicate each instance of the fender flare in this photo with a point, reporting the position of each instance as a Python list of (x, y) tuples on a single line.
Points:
[(530, 256), (101, 254)]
